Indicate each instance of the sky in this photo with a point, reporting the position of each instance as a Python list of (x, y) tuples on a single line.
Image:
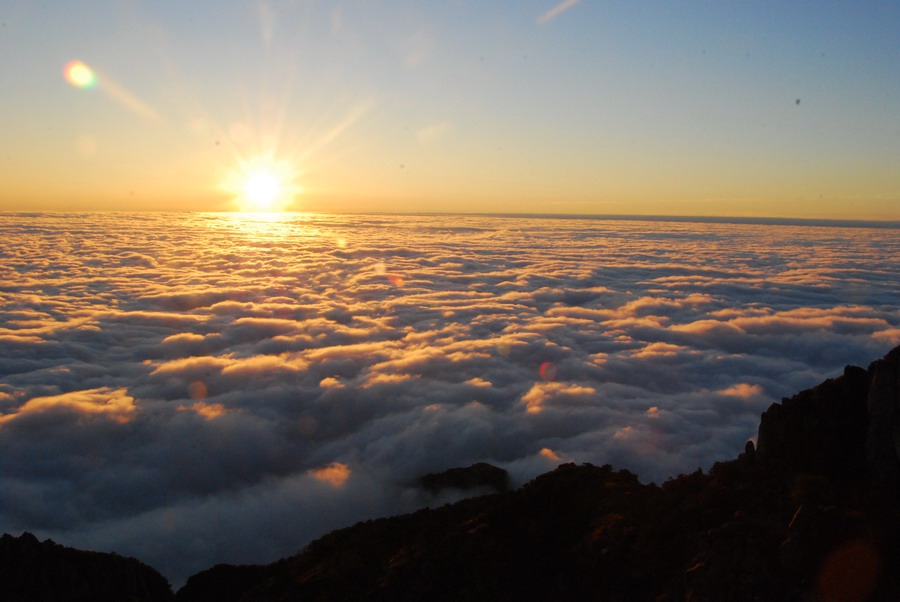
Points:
[(196, 388), (760, 108)]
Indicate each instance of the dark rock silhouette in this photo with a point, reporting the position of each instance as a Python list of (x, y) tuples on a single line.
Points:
[(821, 430), (34, 571), (846, 429), (477, 476), (223, 583), (883, 435)]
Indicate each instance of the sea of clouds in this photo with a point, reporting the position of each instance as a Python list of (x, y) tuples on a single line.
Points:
[(200, 388)]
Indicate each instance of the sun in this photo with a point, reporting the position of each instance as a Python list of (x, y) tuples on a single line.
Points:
[(262, 185), (262, 190)]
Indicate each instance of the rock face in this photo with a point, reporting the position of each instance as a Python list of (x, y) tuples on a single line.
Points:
[(810, 514), (34, 571), (847, 428), (821, 430), (477, 476), (883, 403)]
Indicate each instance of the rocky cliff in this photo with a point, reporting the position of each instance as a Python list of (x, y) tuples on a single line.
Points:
[(847, 428)]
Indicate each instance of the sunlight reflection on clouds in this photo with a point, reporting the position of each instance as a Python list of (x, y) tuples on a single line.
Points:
[(207, 366), (116, 405)]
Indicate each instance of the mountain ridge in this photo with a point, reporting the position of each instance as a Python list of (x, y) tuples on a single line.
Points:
[(35, 571)]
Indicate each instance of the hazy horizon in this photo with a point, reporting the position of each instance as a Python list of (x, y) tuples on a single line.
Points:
[(708, 219)]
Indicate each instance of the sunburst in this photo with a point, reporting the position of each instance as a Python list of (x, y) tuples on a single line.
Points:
[(263, 185)]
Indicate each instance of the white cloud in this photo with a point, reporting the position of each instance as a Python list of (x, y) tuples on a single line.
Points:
[(173, 387)]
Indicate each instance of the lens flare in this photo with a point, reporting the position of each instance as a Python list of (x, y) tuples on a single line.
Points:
[(548, 371), (80, 75)]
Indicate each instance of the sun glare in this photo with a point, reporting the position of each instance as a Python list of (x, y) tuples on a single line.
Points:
[(261, 190), (263, 186)]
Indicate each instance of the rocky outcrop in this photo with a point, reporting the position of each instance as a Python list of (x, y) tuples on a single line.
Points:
[(34, 571), (847, 428), (821, 430), (479, 476), (883, 434)]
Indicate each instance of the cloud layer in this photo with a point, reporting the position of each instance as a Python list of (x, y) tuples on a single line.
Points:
[(193, 389)]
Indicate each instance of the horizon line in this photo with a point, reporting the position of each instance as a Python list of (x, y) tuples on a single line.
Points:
[(711, 219)]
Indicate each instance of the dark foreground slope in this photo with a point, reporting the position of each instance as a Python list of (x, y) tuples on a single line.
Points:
[(34, 571), (812, 514)]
